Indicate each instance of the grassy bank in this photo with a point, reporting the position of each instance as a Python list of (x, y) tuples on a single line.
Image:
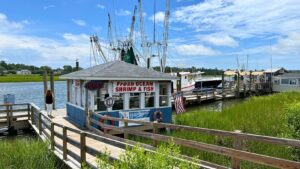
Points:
[(24, 78), (26, 153), (265, 115)]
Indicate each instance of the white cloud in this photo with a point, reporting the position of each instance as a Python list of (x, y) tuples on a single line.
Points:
[(73, 47), (159, 17), (241, 18), (219, 40), (79, 22), (123, 12), (194, 50), (10, 26), (100, 6), (48, 6)]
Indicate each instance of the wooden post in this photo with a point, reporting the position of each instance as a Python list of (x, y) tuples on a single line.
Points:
[(11, 115), (250, 84), (126, 126), (238, 85), (52, 88), (65, 149), (154, 132), (52, 136), (68, 90), (82, 147), (40, 123), (7, 115), (28, 111), (223, 85), (237, 144), (245, 90), (178, 86), (32, 115), (45, 87)]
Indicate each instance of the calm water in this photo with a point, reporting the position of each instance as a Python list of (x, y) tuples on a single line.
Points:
[(32, 92)]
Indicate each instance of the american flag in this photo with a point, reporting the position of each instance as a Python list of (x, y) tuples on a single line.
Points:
[(179, 105)]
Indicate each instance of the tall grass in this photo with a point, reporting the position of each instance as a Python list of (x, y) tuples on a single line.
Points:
[(264, 115), (24, 78), (166, 157), (27, 154)]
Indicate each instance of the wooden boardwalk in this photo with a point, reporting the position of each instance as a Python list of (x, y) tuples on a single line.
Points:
[(76, 146)]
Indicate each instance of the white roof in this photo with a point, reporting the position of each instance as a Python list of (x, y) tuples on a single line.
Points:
[(118, 70)]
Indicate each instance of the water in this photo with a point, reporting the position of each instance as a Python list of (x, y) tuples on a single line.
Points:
[(219, 105), (33, 92)]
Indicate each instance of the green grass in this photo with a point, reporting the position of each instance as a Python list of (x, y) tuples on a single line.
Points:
[(26, 153), (264, 115), (137, 158), (24, 78)]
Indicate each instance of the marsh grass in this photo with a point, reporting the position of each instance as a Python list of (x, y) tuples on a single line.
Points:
[(27, 154), (264, 115), (23, 78)]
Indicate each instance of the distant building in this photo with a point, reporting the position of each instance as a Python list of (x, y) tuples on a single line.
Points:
[(23, 72), (274, 72), (286, 82)]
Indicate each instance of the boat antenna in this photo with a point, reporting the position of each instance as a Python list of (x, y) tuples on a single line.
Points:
[(154, 12)]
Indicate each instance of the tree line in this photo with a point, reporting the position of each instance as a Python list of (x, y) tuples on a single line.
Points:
[(12, 68)]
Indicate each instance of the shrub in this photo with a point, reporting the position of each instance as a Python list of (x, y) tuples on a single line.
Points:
[(292, 117), (167, 157)]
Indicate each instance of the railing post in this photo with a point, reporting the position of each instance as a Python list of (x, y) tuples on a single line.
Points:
[(40, 123), (52, 136), (7, 115), (11, 119), (126, 126), (82, 147), (154, 132), (32, 115), (65, 149), (237, 144), (28, 111)]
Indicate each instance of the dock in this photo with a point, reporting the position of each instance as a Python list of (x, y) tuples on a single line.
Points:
[(75, 146)]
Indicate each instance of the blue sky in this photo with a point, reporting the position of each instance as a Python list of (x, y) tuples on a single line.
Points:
[(209, 33)]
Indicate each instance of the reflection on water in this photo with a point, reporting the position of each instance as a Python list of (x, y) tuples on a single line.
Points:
[(27, 92), (218, 105)]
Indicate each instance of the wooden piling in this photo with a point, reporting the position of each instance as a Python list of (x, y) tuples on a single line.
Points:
[(32, 116), (178, 86), (45, 87), (52, 88), (223, 85), (238, 85), (250, 84), (28, 111)]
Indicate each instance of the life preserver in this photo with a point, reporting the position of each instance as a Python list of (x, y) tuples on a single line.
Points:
[(158, 116), (103, 121)]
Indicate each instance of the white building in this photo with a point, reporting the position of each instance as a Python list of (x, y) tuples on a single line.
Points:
[(286, 82), (23, 72)]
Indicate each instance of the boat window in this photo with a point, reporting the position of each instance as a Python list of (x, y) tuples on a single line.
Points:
[(163, 94), (134, 101), (293, 82), (119, 101), (284, 81), (99, 97), (149, 99)]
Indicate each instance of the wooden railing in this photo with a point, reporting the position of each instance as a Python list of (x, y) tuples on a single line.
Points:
[(48, 130), (236, 153), (10, 113)]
